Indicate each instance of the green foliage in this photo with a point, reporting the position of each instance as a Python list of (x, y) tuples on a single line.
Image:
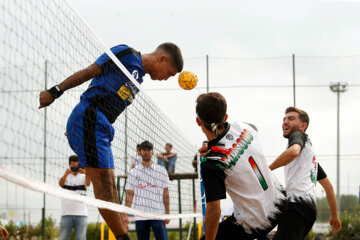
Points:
[(323, 210), (29, 232), (350, 225), (11, 228), (173, 235), (348, 204), (33, 232), (93, 231), (133, 235), (50, 231), (311, 235)]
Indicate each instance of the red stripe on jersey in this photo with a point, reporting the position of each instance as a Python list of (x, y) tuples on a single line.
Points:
[(219, 149)]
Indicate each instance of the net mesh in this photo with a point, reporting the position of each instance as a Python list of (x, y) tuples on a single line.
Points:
[(42, 43)]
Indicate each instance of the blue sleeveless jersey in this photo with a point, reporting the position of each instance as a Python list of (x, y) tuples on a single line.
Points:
[(89, 128), (111, 91)]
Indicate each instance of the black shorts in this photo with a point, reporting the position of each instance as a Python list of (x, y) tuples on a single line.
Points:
[(296, 223), (230, 229)]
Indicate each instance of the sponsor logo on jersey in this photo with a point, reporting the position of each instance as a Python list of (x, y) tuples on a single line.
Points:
[(313, 171), (125, 93), (230, 137), (135, 74)]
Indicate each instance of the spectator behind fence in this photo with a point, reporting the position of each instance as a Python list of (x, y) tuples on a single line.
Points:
[(136, 159), (147, 190), (74, 214), (167, 159)]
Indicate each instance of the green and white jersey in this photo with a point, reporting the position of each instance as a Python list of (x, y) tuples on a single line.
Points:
[(235, 163), (301, 173)]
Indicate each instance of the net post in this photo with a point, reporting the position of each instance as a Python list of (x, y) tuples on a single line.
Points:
[(207, 73), (44, 165), (43, 222), (179, 194), (294, 85), (118, 188), (194, 202), (121, 195)]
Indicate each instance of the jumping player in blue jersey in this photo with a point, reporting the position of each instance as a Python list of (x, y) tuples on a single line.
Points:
[(89, 128)]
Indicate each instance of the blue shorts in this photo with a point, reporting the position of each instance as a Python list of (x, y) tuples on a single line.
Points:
[(90, 134)]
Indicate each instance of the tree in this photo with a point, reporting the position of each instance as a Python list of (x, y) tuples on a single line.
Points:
[(11, 228), (323, 210), (50, 230), (348, 203), (93, 231)]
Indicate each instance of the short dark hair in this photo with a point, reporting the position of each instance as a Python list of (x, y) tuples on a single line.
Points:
[(73, 158), (168, 144), (175, 54), (146, 144), (303, 116), (138, 146), (211, 108)]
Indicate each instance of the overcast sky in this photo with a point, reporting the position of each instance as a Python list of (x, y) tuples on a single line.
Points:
[(250, 46)]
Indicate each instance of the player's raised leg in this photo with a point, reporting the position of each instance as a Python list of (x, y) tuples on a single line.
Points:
[(103, 181)]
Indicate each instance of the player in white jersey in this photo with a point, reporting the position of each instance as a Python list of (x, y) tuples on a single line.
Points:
[(235, 164), (301, 174)]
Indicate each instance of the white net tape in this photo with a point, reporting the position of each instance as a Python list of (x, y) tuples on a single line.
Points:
[(38, 186)]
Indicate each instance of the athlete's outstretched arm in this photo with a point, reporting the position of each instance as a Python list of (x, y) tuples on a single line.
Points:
[(74, 80), (286, 157), (212, 216), (330, 195)]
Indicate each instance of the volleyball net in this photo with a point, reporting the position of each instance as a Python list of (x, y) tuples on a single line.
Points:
[(43, 43)]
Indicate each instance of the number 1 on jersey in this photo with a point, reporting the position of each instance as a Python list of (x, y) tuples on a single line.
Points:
[(258, 173)]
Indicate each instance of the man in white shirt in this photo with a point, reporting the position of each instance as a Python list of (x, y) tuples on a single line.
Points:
[(74, 214), (302, 170), (147, 189), (136, 159)]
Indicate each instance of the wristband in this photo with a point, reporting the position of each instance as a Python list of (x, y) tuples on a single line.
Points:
[(55, 91)]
